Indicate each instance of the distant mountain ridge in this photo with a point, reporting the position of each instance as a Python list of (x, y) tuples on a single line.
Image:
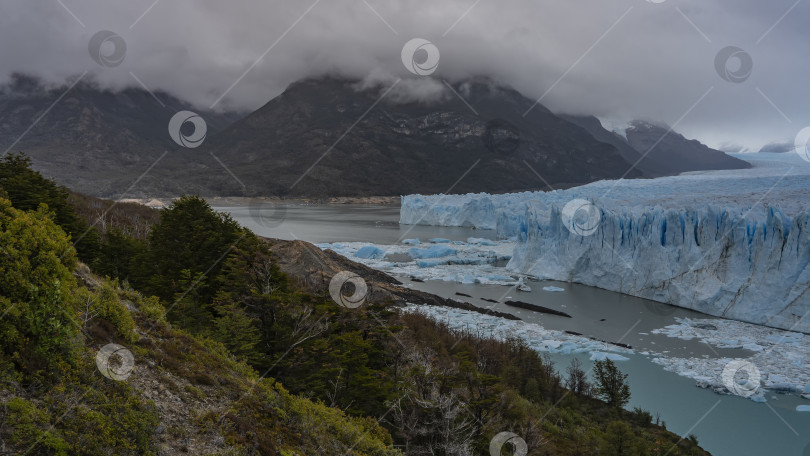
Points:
[(326, 137), (92, 140), (479, 143), (658, 151)]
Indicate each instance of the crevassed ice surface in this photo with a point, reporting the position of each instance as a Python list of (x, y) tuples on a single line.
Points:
[(728, 243)]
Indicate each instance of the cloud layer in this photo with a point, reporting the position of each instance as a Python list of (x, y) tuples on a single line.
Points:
[(618, 59)]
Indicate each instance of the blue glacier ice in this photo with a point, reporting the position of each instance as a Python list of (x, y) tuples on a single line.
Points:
[(727, 243), (370, 251), (434, 251)]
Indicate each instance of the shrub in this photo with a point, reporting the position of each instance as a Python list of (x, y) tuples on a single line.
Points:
[(36, 289)]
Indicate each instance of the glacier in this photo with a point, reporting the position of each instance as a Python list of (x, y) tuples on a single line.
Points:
[(734, 244)]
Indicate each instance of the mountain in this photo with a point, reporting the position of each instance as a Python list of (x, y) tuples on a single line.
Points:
[(676, 152), (652, 166), (329, 137), (778, 147), (657, 150), (350, 140), (91, 140)]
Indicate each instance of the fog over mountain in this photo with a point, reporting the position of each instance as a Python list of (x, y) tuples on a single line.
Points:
[(622, 60)]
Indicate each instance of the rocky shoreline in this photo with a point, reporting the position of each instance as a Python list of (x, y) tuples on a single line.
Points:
[(159, 203), (314, 268)]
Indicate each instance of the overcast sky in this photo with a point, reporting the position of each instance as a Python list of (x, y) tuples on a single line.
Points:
[(617, 59)]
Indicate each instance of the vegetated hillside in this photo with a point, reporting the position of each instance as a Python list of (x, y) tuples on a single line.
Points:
[(215, 327)]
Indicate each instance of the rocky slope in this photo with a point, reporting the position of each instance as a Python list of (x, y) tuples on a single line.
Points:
[(93, 141), (314, 268)]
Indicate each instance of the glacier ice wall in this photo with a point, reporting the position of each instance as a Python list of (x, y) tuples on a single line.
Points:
[(727, 243), (503, 213), (740, 265)]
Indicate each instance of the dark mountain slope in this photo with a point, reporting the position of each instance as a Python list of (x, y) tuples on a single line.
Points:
[(678, 153), (406, 147), (672, 155), (91, 140)]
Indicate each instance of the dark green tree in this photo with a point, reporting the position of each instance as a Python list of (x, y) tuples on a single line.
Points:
[(118, 255), (611, 383), (619, 440), (236, 330), (189, 308), (27, 189), (576, 379), (190, 236)]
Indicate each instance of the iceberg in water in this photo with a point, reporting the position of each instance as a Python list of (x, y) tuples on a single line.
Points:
[(434, 251), (369, 252), (602, 356)]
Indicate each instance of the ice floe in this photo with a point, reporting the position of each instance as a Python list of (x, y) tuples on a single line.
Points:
[(782, 358), (535, 335)]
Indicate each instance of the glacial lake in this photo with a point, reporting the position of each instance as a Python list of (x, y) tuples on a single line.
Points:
[(724, 425)]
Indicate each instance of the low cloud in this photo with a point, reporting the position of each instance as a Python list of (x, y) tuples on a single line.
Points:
[(619, 59)]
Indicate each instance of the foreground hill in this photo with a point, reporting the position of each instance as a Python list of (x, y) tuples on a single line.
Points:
[(207, 327)]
